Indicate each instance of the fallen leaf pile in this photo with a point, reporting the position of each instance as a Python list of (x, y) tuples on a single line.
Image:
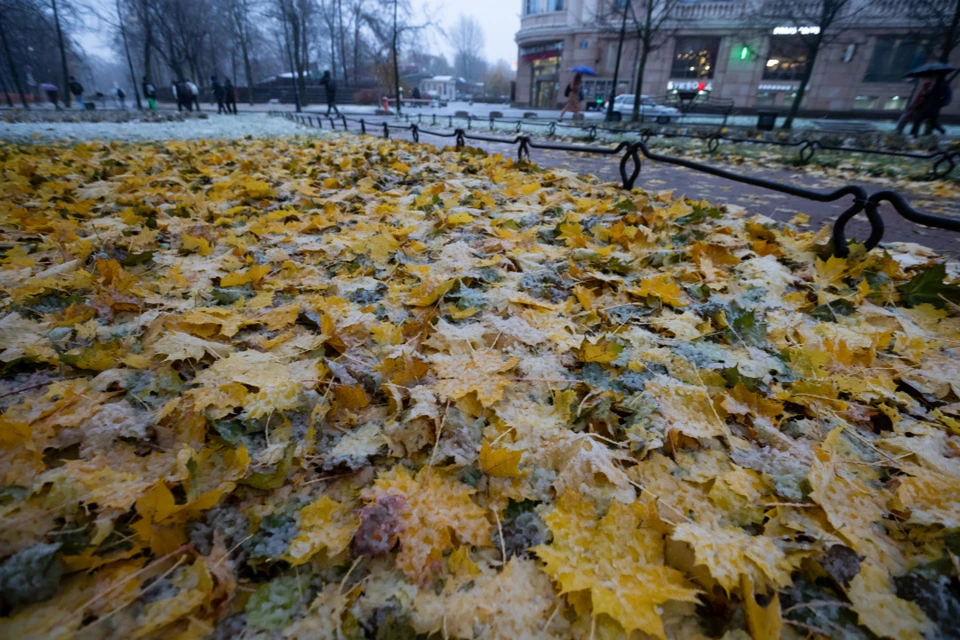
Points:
[(347, 388)]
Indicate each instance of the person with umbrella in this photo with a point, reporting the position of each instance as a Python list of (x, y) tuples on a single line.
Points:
[(53, 93), (930, 96), (573, 92)]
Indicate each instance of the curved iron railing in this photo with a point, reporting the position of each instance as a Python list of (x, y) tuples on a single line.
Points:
[(943, 162), (862, 202)]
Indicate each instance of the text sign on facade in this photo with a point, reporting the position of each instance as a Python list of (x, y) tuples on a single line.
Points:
[(792, 31)]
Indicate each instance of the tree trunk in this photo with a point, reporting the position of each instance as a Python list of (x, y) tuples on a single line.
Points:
[(247, 69), (126, 48), (343, 40), (356, 44), (807, 73), (396, 61), (63, 55), (644, 54), (13, 67), (6, 94), (952, 36), (296, 88)]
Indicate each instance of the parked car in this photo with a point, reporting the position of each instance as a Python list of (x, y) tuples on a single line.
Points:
[(648, 109)]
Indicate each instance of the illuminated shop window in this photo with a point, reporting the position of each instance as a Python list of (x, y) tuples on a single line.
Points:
[(865, 103), (695, 57), (787, 59)]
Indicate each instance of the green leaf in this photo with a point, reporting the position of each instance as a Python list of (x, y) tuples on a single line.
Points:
[(273, 606), (830, 311), (928, 287), (733, 376), (32, 575)]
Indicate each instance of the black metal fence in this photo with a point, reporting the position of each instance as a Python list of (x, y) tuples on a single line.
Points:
[(943, 162), (630, 164)]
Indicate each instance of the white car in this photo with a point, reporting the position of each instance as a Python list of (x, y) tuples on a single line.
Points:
[(648, 109)]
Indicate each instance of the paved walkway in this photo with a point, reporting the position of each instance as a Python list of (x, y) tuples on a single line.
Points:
[(685, 182)]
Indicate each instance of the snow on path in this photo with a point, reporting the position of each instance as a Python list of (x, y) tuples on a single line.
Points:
[(214, 127)]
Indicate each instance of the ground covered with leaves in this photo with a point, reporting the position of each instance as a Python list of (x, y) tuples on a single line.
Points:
[(348, 388)]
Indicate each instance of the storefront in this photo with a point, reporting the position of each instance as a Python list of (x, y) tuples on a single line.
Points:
[(544, 60)]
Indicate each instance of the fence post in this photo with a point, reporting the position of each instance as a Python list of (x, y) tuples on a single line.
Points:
[(363, 126), (344, 118), (386, 131)]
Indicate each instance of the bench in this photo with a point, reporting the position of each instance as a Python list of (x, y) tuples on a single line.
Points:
[(693, 103), (839, 126)]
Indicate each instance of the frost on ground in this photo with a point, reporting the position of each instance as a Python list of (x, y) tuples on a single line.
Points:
[(214, 127)]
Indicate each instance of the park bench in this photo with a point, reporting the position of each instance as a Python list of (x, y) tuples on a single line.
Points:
[(693, 103), (839, 126)]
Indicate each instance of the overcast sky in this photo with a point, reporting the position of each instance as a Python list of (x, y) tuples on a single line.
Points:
[(500, 20)]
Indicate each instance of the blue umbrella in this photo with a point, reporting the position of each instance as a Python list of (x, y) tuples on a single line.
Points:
[(584, 69)]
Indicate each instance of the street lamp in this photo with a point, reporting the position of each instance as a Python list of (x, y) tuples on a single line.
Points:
[(616, 67)]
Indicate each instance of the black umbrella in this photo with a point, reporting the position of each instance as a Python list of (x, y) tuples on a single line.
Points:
[(930, 69)]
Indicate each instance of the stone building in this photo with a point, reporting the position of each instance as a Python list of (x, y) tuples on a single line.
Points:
[(719, 48)]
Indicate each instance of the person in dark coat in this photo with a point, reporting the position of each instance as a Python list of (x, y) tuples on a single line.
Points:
[(331, 86), (150, 93), (230, 95), (940, 97), (77, 90), (218, 95)]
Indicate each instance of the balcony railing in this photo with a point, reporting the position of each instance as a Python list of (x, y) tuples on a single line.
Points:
[(709, 11)]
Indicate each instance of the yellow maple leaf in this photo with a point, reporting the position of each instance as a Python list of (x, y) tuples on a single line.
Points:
[(434, 512), (662, 287), (602, 351), (617, 562), (200, 245), (252, 275), (730, 552), (323, 524), (499, 463), (881, 611), (476, 371), (194, 585), (687, 409)]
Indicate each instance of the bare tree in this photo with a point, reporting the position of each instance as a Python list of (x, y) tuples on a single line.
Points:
[(815, 24), (655, 23), (940, 21), (6, 18), (466, 38), (63, 53)]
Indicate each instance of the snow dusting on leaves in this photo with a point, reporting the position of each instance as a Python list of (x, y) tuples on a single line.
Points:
[(343, 387)]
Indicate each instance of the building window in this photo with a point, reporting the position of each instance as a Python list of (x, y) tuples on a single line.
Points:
[(765, 98), (554, 5), (787, 59), (695, 57), (893, 57), (584, 44), (896, 103), (865, 103), (531, 6)]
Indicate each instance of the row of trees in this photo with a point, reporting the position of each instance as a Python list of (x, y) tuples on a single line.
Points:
[(652, 23), (359, 41)]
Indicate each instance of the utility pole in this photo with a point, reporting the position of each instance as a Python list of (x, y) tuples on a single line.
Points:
[(616, 67), (126, 48), (396, 63), (63, 56)]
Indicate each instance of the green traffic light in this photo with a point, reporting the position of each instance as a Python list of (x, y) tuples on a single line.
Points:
[(744, 52)]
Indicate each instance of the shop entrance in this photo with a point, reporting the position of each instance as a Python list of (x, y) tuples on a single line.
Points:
[(543, 89)]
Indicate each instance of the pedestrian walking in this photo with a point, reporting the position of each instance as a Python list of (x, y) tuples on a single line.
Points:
[(230, 95), (150, 93), (218, 95), (53, 94), (916, 110), (193, 94), (77, 90), (573, 93), (940, 96), (120, 96), (331, 86)]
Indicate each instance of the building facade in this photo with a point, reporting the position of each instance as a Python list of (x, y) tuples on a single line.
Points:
[(716, 47)]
